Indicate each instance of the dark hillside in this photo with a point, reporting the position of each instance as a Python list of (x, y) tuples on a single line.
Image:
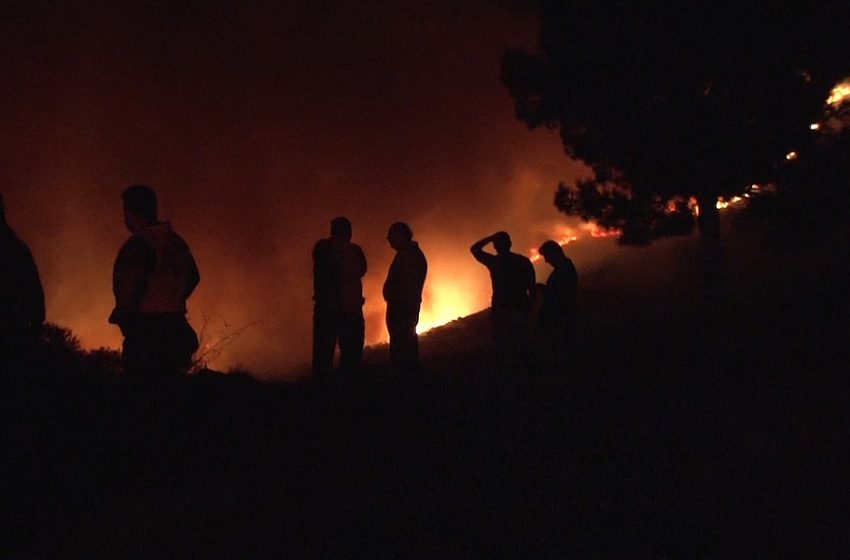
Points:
[(659, 440)]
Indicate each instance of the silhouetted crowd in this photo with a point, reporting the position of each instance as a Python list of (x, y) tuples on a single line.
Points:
[(154, 274)]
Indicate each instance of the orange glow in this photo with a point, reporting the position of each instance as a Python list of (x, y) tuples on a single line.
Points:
[(723, 203), (598, 232), (447, 302), (791, 156), (565, 236), (839, 93)]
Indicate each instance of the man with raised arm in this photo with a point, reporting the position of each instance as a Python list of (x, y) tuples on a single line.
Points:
[(513, 281)]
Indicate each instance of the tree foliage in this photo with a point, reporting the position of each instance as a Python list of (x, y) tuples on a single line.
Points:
[(665, 101)]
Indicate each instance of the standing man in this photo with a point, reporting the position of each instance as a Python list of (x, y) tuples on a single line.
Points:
[(558, 311), (338, 267), (512, 277), (153, 276), (403, 294), (21, 296)]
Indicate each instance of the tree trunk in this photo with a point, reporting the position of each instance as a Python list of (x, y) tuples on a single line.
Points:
[(709, 232), (713, 297)]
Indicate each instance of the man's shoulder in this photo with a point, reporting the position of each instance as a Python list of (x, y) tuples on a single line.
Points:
[(159, 234), (136, 242), (418, 252), (520, 260), (136, 251), (355, 248), (321, 247), (11, 243)]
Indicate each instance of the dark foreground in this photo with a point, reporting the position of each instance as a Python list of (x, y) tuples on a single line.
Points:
[(227, 467), (677, 432)]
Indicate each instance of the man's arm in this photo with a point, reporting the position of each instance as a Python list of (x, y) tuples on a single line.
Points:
[(478, 252), (130, 277), (194, 275), (531, 280), (361, 262)]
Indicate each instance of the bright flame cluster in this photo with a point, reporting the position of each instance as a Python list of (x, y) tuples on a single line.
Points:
[(839, 93), (565, 236), (446, 302), (753, 191)]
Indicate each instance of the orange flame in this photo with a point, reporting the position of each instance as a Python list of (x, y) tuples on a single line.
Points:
[(446, 302), (839, 93), (565, 236)]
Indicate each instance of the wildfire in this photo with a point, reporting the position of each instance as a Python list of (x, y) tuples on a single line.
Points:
[(839, 93), (598, 232), (723, 203), (565, 236), (446, 302)]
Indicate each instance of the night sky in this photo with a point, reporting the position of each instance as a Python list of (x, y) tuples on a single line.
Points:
[(257, 123)]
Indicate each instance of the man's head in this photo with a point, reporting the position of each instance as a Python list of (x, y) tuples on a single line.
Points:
[(341, 229), (399, 235), (502, 242), (139, 207), (551, 252)]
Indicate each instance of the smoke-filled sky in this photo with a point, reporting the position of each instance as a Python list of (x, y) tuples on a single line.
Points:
[(257, 123)]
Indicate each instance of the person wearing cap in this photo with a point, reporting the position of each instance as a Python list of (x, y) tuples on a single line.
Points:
[(403, 293), (558, 310), (153, 276), (338, 268)]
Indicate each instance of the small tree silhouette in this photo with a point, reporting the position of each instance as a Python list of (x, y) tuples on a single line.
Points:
[(215, 336)]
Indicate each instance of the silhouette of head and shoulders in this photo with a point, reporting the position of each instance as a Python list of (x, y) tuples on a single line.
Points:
[(154, 270), (406, 276), (511, 274), (553, 254), (561, 287), (21, 293), (338, 267), (400, 237)]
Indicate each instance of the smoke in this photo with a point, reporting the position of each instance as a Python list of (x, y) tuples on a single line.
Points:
[(257, 125)]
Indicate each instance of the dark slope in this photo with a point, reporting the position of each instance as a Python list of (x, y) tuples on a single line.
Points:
[(659, 440)]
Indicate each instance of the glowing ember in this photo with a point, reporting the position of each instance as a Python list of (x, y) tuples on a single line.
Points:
[(839, 93), (814, 126), (791, 156)]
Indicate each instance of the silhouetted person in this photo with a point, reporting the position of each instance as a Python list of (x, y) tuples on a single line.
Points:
[(403, 294), (21, 296), (514, 285), (153, 276), (558, 310), (338, 267)]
